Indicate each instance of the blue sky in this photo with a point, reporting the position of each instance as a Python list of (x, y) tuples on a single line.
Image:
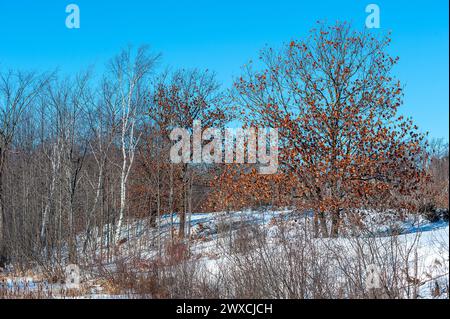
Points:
[(224, 35)]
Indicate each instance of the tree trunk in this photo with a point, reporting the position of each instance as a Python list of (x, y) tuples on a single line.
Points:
[(323, 225), (335, 223), (122, 199), (171, 202), (182, 226), (316, 225)]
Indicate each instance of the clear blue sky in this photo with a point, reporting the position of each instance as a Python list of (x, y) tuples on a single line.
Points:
[(224, 35)]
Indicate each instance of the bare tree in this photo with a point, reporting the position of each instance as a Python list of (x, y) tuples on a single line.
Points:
[(180, 99), (125, 86), (18, 91)]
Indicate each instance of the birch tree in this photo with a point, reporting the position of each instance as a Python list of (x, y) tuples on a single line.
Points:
[(125, 86)]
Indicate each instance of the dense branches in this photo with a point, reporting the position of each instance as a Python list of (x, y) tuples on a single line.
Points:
[(82, 156), (335, 102)]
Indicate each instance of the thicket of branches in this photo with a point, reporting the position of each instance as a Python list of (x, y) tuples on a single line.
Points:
[(85, 154)]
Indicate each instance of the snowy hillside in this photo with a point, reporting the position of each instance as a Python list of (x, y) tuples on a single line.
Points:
[(411, 258)]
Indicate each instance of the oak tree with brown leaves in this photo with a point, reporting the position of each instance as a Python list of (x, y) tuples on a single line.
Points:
[(335, 101)]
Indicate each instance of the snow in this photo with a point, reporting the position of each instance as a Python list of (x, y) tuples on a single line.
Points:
[(211, 230)]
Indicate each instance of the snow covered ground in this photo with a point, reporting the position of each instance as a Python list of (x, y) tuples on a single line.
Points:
[(427, 242)]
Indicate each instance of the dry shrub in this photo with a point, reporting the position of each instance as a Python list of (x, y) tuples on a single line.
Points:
[(293, 264), (176, 253)]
